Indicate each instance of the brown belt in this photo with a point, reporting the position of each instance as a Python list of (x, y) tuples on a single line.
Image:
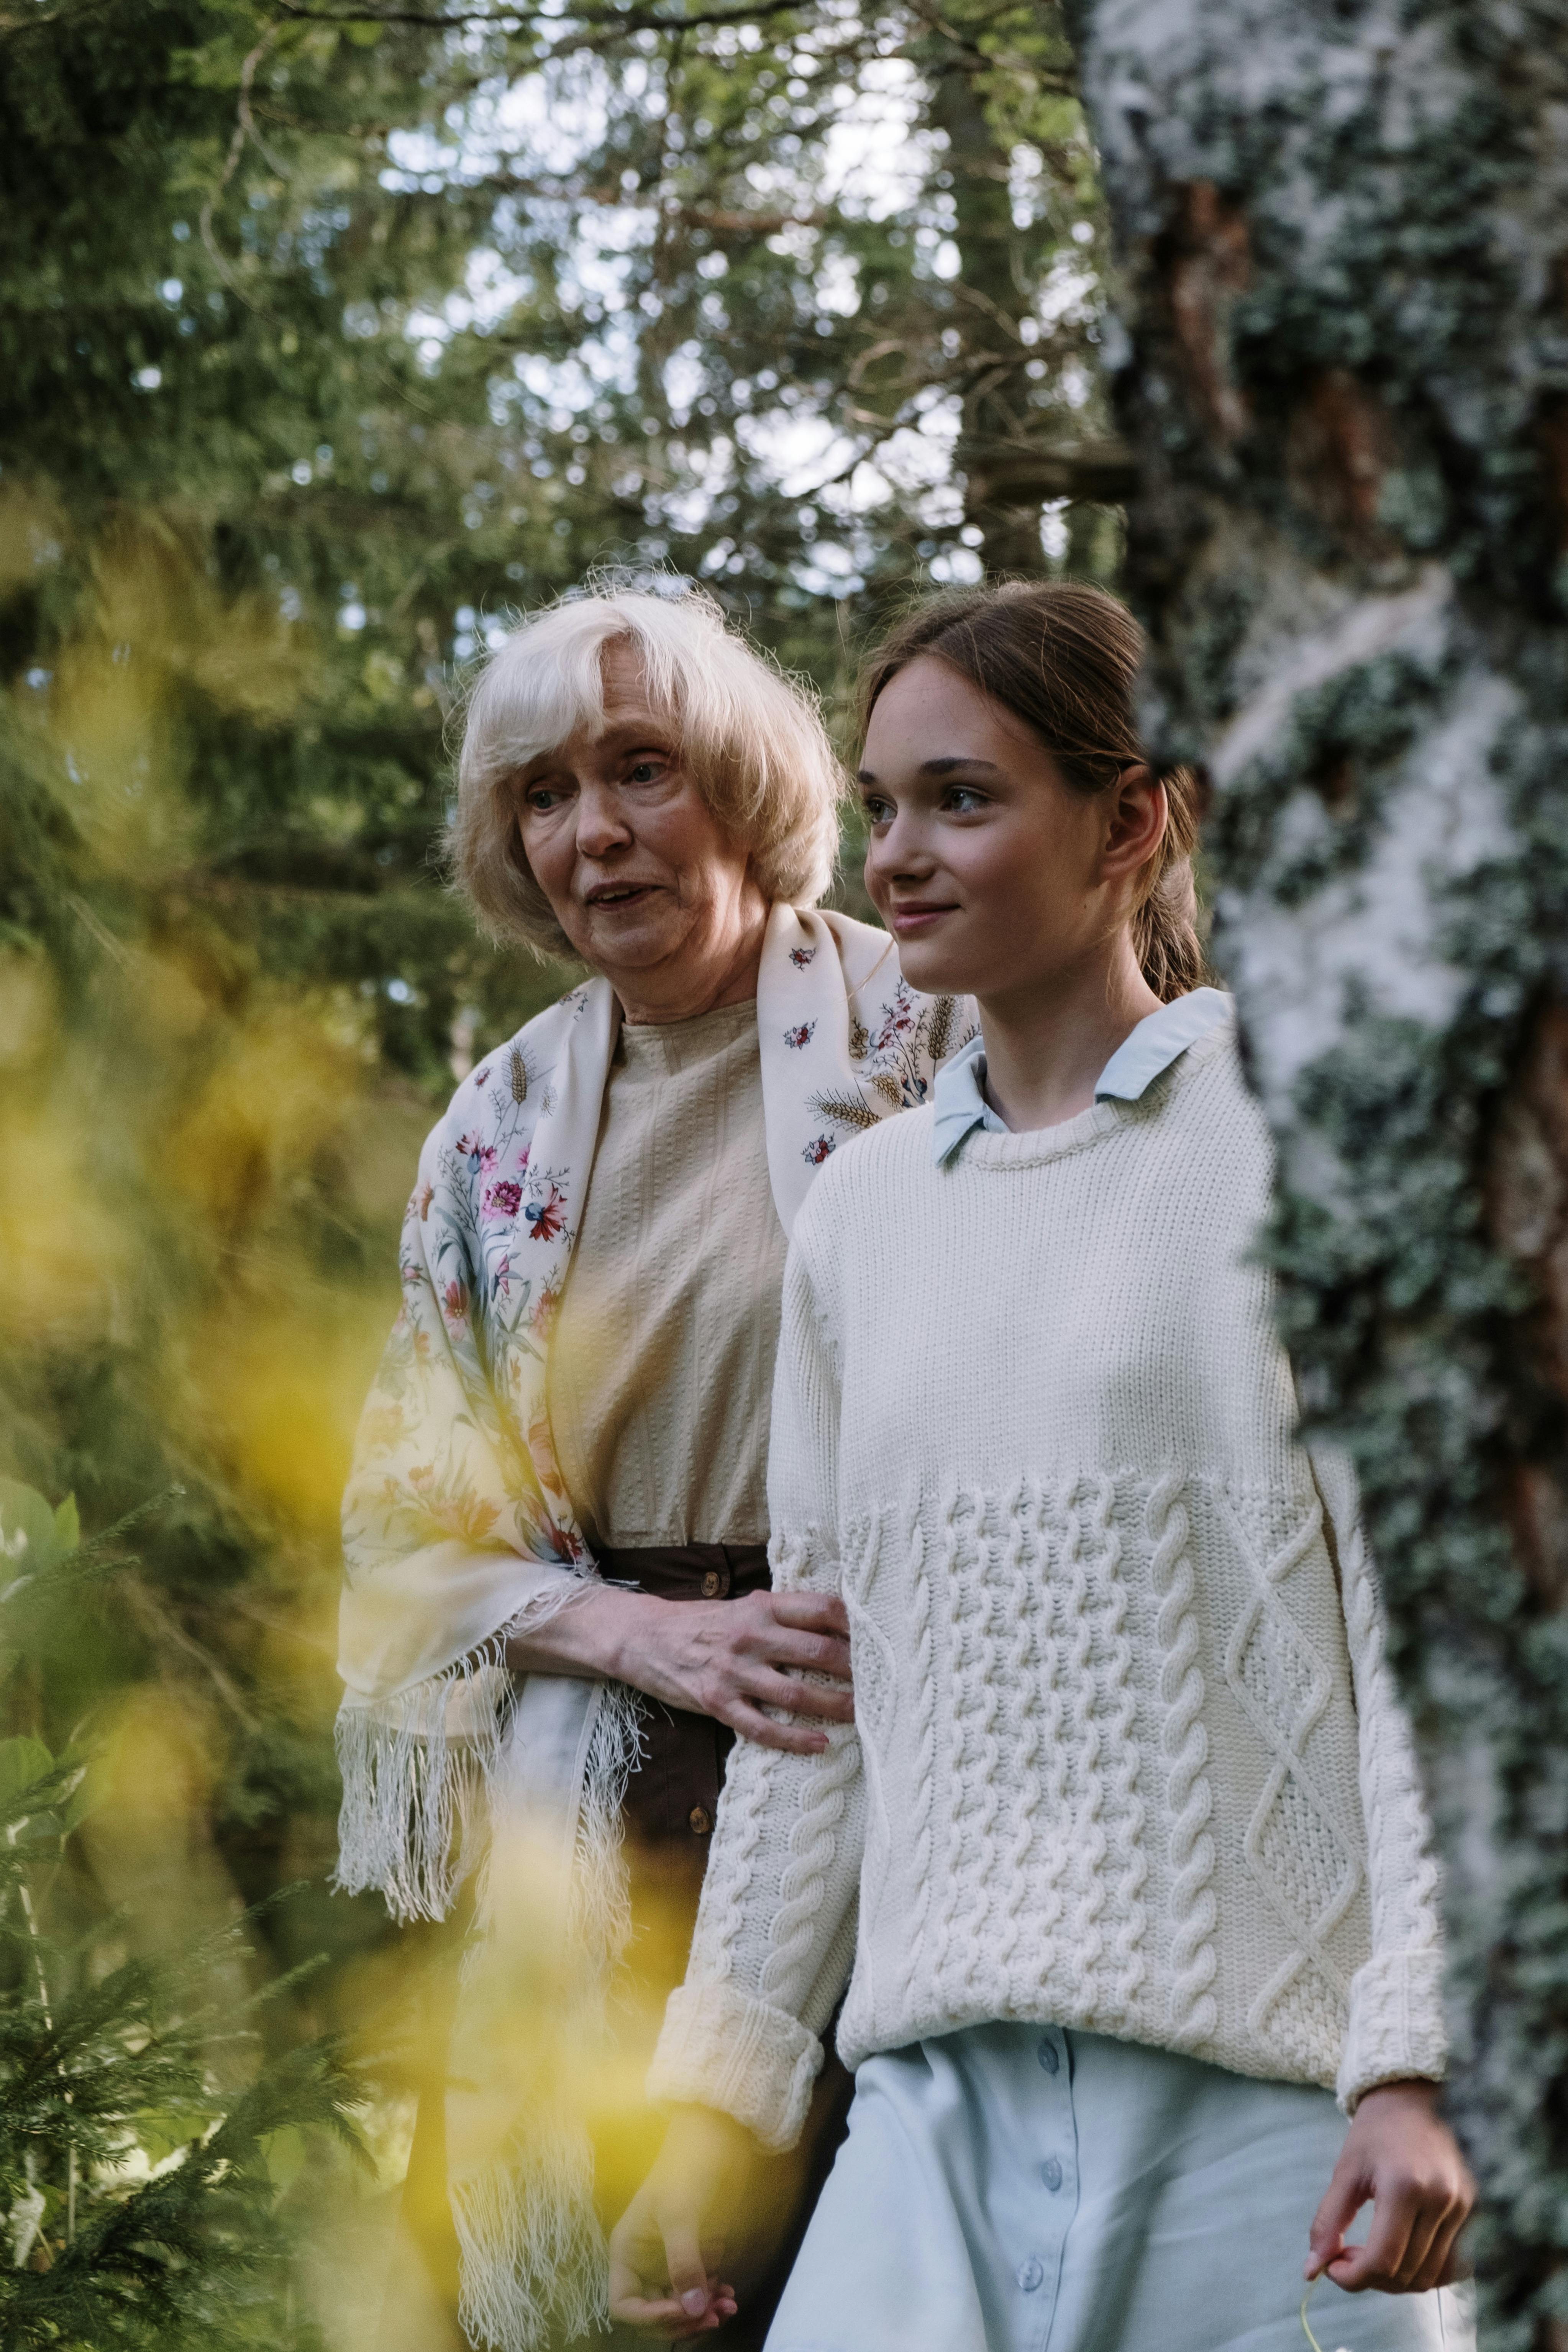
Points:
[(672, 1798)]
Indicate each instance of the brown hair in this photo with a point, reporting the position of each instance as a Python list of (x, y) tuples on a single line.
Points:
[(1063, 657)]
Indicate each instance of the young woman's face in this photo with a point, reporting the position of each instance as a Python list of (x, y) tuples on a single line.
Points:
[(635, 864), (990, 871)]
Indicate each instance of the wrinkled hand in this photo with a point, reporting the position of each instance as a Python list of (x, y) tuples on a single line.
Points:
[(1400, 2155), (730, 1659), (663, 2233)]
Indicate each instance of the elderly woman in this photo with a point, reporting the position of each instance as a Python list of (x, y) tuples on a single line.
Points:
[(557, 1600)]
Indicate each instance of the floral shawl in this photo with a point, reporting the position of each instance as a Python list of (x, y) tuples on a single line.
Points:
[(459, 1531)]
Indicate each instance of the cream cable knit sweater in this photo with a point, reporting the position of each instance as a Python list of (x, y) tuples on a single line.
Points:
[(1124, 1757)]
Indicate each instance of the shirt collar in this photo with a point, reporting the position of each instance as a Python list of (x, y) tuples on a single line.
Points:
[(958, 1093)]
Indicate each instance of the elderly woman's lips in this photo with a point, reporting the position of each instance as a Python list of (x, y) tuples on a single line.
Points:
[(620, 894)]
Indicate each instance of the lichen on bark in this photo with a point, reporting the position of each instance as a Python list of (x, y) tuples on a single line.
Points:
[(1343, 363)]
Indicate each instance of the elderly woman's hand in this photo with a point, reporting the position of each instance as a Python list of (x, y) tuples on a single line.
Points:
[(729, 1659)]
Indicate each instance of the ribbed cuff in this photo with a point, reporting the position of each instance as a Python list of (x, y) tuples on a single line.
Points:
[(1397, 2028), (720, 2049)]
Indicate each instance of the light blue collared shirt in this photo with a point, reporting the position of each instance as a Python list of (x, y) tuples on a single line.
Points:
[(958, 1095)]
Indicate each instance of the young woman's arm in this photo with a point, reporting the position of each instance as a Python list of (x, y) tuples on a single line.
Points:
[(775, 1932), (1399, 2154)]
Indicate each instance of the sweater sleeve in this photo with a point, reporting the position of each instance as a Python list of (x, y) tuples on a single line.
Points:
[(1397, 2026), (775, 1930)]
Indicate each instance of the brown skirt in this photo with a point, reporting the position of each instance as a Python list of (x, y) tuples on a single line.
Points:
[(671, 1802)]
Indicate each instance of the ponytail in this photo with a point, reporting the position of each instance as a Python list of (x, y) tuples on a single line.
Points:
[(1064, 657)]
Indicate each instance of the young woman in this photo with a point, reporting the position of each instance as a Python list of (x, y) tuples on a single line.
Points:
[(1125, 1862)]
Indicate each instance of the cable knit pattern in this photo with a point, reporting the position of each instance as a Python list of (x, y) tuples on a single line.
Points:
[(1124, 1759), (1395, 2000), (1189, 1801)]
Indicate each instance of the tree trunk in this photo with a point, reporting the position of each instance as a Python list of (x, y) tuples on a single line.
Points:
[(988, 293), (1344, 372)]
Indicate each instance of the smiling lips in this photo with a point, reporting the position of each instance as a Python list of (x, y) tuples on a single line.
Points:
[(616, 894), (913, 916)]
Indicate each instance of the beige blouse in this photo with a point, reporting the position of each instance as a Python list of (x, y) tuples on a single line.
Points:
[(662, 1365)]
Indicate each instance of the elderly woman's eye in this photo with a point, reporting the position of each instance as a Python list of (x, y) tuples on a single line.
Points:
[(541, 798), (647, 771)]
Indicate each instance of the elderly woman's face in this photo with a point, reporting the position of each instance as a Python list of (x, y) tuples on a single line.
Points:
[(639, 873)]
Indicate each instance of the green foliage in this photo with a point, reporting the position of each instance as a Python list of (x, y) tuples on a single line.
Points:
[(140, 2140)]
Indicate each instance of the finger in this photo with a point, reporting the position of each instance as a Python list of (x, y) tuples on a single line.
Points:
[(688, 2273), (807, 1653), (784, 1645), (813, 1612), (1430, 2214), (766, 1689), (1378, 2262), (1442, 2265), (795, 1739), (1342, 2200)]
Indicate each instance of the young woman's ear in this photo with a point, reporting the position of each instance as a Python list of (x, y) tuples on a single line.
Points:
[(1138, 814)]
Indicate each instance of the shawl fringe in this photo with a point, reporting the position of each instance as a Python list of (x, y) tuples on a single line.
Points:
[(534, 2265), (416, 1769)]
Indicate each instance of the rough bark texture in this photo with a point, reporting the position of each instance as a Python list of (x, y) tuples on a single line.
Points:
[(1344, 372)]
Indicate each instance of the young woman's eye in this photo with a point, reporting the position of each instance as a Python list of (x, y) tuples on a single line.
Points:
[(963, 800), (878, 811)]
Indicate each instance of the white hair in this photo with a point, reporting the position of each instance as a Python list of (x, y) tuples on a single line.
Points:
[(752, 739)]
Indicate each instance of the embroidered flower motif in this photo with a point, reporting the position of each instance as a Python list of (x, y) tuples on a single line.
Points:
[(816, 1151), (381, 1428), (454, 1302), (472, 1516), (469, 1148), (503, 1200), (859, 1041), (422, 1200), (801, 957), (801, 1037), (481, 1076), (897, 1018), (546, 1217), (422, 1475), (545, 1312), (503, 1277)]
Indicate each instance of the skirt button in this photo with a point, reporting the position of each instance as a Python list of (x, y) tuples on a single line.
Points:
[(700, 1821)]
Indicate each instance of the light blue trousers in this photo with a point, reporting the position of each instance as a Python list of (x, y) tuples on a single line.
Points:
[(1022, 2189)]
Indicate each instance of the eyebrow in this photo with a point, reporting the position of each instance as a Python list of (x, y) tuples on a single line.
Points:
[(943, 767)]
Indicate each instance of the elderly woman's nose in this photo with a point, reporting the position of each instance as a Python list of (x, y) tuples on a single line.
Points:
[(602, 822)]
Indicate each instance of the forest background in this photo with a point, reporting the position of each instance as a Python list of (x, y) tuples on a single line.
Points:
[(331, 335)]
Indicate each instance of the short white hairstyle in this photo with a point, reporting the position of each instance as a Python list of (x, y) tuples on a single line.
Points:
[(752, 739)]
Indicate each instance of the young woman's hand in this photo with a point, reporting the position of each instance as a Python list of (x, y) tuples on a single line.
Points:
[(1400, 2154), (725, 1658), (664, 2236)]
